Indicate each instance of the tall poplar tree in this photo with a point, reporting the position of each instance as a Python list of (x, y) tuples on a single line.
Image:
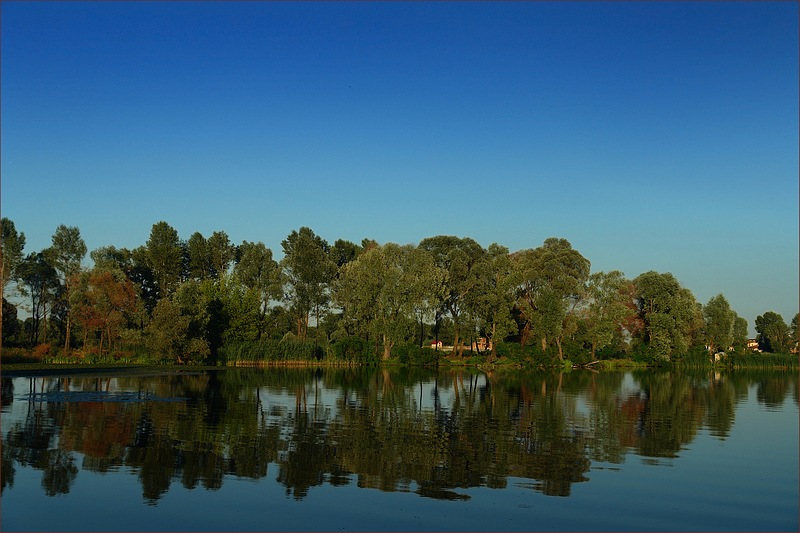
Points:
[(165, 257), (65, 254)]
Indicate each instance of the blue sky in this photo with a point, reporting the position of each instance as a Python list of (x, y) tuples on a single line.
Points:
[(652, 136)]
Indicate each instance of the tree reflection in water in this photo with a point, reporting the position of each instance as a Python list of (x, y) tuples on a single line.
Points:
[(408, 430)]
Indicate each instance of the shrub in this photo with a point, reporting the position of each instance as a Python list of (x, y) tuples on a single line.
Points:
[(414, 355), (354, 350), (41, 351)]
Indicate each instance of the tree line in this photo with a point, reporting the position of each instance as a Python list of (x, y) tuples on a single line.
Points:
[(186, 300)]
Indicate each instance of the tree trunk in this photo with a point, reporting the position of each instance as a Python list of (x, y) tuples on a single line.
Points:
[(387, 348), (493, 355), (69, 325)]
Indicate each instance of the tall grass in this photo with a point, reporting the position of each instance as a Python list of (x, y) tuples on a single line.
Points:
[(351, 350), (786, 361)]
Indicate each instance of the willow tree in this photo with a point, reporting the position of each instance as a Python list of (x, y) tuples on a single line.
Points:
[(605, 308), (460, 258), (382, 290), (493, 300), (550, 283)]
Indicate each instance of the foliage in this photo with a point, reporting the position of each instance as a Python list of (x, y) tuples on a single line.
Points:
[(354, 349), (188, 301), (605, 308), (667, 311), (460, 258), (11, 246), (104, 300), (412, 354), (164, 255), (268, 350), (383, 287), (550, 283), (41, 284), (719, 321), (748, 359), (773, 333), (308, 270)]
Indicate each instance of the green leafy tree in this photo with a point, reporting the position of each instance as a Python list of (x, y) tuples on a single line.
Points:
[(165, 257), (606, 308), (309, 271), (135, 264), (550, 283), (493, 300), (793, 334), (342, 252), (460, 258), (667, 311), (167, 330), (427, 286), (773, 333), (40, 282), (739, 336), (199, 260), (221, 253), (169, 337), (11, 247), (11, 325), (260, 273), (719, 322), (382, 289), (65, 254)]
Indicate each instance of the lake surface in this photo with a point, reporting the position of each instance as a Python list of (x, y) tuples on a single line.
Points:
[(400, 450)]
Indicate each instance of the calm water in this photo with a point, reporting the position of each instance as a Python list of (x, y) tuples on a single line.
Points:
[(281, 449)]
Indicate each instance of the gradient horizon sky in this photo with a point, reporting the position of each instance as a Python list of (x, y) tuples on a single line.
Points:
[(652, 136)]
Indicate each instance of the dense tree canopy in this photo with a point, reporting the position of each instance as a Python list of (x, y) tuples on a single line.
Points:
[(773, 333), (192, 300)]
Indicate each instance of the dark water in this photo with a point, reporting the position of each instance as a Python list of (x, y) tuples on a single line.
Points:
[(282, 449)]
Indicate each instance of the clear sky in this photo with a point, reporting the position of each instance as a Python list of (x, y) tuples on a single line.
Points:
[(652, 136)]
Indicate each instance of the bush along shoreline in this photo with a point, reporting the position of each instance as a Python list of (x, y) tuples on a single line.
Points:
[(356, 352)]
